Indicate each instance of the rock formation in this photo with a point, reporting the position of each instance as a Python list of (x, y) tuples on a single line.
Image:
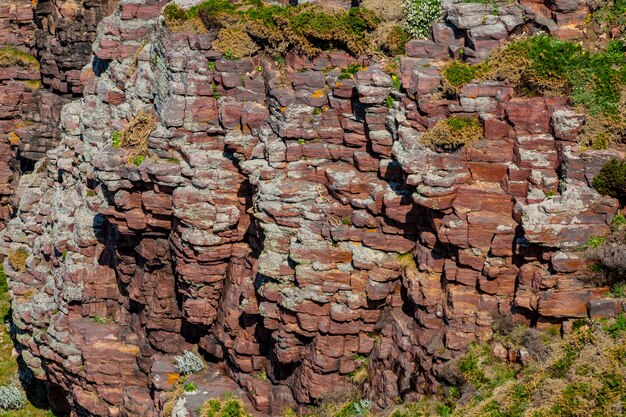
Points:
[(287, 220)]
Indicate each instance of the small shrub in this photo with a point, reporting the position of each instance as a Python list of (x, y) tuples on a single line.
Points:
[(235, 43), (395, 41), (602, 130), (452, 133), (227, 406), (138, 160), (17, 259), (188, 363), (420, 16), (457, 74), (543, 65), (11, 397), (503, 324), (611, 180)]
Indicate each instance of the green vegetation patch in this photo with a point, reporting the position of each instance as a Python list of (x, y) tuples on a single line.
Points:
[(453, 133), (543, 65), (306, 28), (611, 180), (10, 56), (227, 406)]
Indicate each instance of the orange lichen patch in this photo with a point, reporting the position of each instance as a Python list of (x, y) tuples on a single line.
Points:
[(172, 378), (14, 139), (318, 94)]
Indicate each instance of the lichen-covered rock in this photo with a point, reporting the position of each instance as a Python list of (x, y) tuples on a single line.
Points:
[(284, 222)]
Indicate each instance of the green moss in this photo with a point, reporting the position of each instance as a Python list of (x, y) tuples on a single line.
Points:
[(458, 73)]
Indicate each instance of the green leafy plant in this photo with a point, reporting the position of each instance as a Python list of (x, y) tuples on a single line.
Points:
[(116, 139), (349, 72), (100, 319), (595, 242), (138, 160), (190, 387), (216, 94)]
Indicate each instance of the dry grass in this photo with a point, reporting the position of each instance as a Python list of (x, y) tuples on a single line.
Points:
[(11, 57), (235, 43), (392, 11), (135, 134), (172, 399)]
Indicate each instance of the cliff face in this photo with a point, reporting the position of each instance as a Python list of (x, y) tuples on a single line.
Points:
[(288, 221), (58, 36)]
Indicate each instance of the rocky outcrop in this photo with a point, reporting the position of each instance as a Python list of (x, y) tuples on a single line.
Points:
[(288, 222)]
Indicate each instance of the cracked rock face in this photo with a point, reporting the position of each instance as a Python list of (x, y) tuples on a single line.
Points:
[(286, 222)]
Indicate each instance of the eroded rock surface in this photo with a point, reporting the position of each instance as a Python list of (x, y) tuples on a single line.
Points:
[(287, 222)]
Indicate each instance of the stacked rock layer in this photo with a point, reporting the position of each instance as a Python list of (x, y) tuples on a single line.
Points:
[(288, 222)]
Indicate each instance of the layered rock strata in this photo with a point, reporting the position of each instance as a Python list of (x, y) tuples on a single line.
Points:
[(59, 35), (287, 223)]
